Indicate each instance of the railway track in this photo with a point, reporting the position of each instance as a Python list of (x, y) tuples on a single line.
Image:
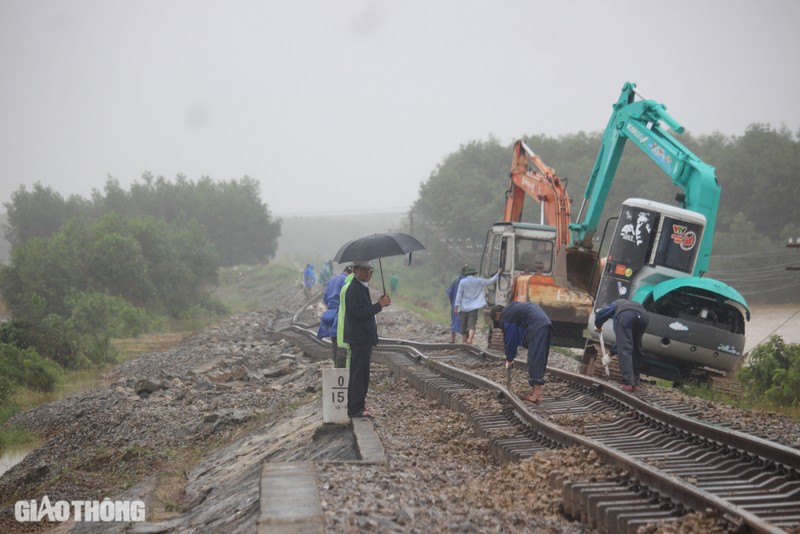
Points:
[(674, 462)]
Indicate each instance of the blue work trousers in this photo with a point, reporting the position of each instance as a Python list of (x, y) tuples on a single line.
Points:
[(538, 343), (629, 327)]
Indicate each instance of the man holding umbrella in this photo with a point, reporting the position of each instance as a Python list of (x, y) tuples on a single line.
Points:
[(361, 333), (360, 330)]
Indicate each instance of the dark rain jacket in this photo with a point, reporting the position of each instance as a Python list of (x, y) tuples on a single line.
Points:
[(360, 327), (521, 320), (614, 309)]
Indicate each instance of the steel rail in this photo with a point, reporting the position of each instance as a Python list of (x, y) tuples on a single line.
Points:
[(648, 475), (668, 485)]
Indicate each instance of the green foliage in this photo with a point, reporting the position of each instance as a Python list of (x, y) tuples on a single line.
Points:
[(96, 318), (6, 388), (702, 389), (760, 176), (230, 214), (460, 201), (773, 372), (72, 292), (15, 434), (25, 367), (83, 337), (40, 212), (50, 337), (159, 266)]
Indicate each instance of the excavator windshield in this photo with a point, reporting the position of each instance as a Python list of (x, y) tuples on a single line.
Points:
[(533, 255)]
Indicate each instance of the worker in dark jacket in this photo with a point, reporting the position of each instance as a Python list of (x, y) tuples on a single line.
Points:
[(630, 323), (526, 324), (361, 333)]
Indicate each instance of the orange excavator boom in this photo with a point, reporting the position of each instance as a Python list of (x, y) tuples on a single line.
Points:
[(530, 176)]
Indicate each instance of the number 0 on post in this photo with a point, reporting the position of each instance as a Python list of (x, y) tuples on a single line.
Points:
[(334, 396)]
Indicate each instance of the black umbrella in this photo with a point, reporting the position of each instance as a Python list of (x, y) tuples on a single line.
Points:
[(378, 246)]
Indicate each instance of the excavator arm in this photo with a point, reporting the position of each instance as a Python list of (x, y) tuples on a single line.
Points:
[(640, 122), (530, 176)]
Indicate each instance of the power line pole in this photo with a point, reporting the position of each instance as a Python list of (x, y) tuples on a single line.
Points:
[(792, 244)]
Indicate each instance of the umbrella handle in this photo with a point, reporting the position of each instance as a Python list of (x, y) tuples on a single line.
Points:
[(382, 282)]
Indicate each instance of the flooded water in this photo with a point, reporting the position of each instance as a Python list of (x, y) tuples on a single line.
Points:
[(11, 456), (766, 321)]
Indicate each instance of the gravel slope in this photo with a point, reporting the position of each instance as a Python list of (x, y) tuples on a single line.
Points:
[(187, 429)]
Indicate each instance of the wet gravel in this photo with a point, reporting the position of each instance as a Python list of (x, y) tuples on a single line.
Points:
[(440, 477)]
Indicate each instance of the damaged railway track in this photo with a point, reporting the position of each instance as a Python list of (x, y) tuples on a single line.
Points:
[(672, 463)]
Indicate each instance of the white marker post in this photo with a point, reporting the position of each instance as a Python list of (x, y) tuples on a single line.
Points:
[(334, 396)]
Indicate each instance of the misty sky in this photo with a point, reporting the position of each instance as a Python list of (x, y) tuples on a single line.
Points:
[(349, 105)]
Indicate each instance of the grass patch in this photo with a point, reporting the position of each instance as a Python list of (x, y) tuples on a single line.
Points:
[(419, 290), (704, 391), (15, 436), (568, 352), (132, 348), (433, 313), (246, 287)]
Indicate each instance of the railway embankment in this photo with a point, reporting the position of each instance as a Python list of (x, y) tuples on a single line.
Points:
[(187, 431)]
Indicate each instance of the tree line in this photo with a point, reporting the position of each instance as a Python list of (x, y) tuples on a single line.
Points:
[(759, 175), (231, 213), (85, 271)]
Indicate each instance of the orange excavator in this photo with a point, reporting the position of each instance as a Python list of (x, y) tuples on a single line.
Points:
[(535, 259), (531, 176)]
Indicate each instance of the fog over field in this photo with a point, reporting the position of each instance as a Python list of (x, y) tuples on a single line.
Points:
[(351, 105)]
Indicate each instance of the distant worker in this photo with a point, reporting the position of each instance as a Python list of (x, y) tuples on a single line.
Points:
[(470, 299), (393, 282), (630, 323), (526, 324), (361, 333), (325, 273), (455, 317), (308, 279), (329, 322)]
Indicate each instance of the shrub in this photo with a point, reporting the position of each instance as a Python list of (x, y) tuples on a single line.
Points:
[(25, 367), (95, 318), (773, 372), (50, 337)]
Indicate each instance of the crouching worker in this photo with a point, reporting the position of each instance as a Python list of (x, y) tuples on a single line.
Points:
[(630, 323), (526, 324)]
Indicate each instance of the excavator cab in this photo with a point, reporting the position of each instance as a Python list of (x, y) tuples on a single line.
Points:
[(533, 269), (515, 249), (694, 321), (533, 255)]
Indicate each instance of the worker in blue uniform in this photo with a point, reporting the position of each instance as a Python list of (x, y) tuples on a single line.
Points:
[(630, 323), (526, 324)]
